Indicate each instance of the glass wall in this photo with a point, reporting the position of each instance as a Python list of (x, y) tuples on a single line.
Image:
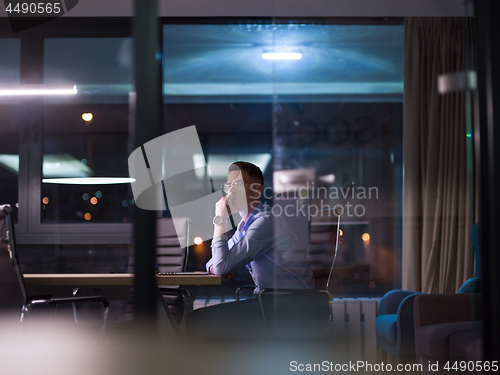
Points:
[(10, 124), (86, 136), (323, 121)]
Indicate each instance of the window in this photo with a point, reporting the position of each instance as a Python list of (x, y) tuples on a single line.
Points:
[(331, 119), (10, 120), (87, 135)]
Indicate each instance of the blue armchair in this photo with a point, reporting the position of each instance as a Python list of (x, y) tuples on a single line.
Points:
[(394, 325), (395, 322)]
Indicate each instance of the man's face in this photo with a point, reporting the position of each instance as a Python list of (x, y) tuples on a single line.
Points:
[(237, 197), (242, 191)]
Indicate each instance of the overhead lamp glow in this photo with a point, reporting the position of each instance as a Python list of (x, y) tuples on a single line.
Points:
[(16, 90), (89, 180), (281, 55), (87, 116)]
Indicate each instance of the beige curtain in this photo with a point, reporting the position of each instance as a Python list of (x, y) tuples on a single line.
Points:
[(437, 253)]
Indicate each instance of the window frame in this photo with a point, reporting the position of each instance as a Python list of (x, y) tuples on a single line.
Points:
[(30, 229)]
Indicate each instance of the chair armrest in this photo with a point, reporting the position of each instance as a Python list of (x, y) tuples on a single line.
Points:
[(55, 301), (447, 308), (177, 291), (236, 294), (390, 302)]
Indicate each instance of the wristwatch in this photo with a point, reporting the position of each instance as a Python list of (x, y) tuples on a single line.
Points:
[(218, 220)]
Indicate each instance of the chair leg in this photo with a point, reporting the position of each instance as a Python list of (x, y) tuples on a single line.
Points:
[(103, 325), (24, 311), (75, 311), (53, 314)]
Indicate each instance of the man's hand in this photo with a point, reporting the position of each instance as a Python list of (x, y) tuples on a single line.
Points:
[(228, 276), (221, 207)]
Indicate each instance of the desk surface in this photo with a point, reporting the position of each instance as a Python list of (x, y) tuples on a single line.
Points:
[(116, 279)]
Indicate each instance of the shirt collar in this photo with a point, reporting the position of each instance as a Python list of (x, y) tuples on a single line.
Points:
[(243, 226)]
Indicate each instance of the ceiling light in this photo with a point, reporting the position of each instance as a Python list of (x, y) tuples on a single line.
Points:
[(14, 90), (282, 55), (87, 116), (89, 180)]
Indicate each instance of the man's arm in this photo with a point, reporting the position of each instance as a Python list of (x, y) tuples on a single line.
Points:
[(257, 241)]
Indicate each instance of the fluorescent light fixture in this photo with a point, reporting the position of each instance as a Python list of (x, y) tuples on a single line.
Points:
[(89, 180), (10, 162), (281, 55), (14, 90), (54, 165)]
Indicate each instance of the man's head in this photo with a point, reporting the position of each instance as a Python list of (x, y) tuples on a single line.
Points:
[(252, 179)]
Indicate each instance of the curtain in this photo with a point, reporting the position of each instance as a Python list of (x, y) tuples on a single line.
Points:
[(437, 252)]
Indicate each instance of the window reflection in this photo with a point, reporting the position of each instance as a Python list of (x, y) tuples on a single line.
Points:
[(87, 135), (10, 123), (335, 111)]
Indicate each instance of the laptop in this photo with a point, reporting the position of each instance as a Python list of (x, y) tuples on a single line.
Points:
[(181, 273)]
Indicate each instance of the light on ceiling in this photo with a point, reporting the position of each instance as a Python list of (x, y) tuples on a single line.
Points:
[(89, 180), (281, 55), (87, 116), (15, 90)]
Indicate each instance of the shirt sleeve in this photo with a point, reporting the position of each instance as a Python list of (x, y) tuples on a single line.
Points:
[(257, 241)]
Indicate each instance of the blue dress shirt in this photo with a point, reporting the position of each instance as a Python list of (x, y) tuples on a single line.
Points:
[(267, 246)]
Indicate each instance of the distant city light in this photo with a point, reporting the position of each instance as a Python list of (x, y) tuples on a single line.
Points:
[(85, 197), (365, 237), (124, 203), (45, 200), (98, 194), (88, 216), (341, 233), (93, 200), (198, 240)]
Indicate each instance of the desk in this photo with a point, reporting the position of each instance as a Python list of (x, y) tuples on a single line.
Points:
[(116, 279)]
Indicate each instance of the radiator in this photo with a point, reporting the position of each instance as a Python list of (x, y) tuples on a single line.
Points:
[(354, 325)]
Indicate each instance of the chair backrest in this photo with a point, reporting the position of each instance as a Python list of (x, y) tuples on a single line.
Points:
[(12, 289), (170, 256)]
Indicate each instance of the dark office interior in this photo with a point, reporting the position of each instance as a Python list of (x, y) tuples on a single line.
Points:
[(380, 128)]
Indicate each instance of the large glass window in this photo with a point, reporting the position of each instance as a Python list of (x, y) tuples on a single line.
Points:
[(86, 136), (324, 115), (10, 124)]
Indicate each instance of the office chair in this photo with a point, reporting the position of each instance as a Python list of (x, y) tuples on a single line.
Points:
[(12, 278), (171, 257), (300, 225)]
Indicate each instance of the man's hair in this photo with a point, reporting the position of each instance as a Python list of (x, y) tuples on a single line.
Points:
[(253, 172)]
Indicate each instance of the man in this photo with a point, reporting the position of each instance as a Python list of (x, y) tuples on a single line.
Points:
[(256, 237), (273, 255)]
